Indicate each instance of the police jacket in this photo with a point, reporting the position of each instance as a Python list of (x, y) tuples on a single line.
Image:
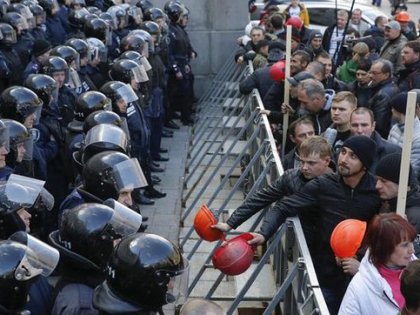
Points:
[(95, 75), (179, 47), (333, 201), (379, 104), (24, 47), (33, 67), (409, 77), (73, 293), (56, 32), (259, 79), (39, 32), (139, 131), (14, 64)]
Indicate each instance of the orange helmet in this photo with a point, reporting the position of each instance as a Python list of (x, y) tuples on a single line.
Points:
[(203, 221), (235, 256), (402, 17), (346, 238), (278, 71)]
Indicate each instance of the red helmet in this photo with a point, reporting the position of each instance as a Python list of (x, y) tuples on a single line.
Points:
[(295, 22), (235, 256), (402, 17), (203, 221), (278, 71), (346, 238)]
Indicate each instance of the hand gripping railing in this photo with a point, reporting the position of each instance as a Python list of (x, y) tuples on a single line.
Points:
[(297, 290)]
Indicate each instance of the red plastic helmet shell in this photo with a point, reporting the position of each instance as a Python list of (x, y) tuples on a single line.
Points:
[(346, 238), (235, 256), (295, 22), (203, 221), (278, 71), (402, 17)]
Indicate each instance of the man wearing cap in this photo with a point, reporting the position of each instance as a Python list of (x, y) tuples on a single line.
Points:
[(334, 197), (408, 28), (40, 53), (394, 43), (362, 123), (409, 77), (388, 175), (260, 78), (396, 135), (314, 45)]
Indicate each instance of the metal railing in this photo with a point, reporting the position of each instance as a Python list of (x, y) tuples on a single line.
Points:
[(233, 141)]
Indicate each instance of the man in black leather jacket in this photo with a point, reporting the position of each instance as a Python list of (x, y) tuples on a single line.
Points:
[(315, 156), (348, 194)]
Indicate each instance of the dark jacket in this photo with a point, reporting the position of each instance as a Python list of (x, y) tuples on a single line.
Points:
[(380, 105), (383, 147), (259, 79), (334, 201), (288, 184), (409, 77), (362, 93), (24, 47), (242, 50), (56, 33), (289, 159), (15, 74), (377, 35)]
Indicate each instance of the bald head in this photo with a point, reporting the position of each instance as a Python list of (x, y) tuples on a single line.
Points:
[(201, 307)]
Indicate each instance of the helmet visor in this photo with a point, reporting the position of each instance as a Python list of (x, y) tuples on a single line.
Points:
[(139, 74), (106, 136), (145, 63), (74, 81), (127, 93), (99, 53), (124, 220), (27, 14), (129, 175), (45, 201), (40, 259), (10, 37), (108, 36), (124, 126), (4, 139), (30, 191), (178, 284), (28, 146)]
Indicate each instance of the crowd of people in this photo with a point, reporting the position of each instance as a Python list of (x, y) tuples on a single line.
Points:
[(347, 111), (87, 91)]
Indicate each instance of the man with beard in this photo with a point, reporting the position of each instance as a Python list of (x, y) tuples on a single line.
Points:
[(348, 194), (409, 77)]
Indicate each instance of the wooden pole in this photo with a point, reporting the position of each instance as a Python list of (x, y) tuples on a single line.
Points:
[(406, 152), (286, 86)]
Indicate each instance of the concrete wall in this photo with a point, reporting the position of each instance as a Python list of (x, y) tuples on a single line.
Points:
[(213, 29)]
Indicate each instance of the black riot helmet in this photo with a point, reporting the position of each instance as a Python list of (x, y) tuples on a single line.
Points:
[(76, 18), (98, 28), (25, 12), (139, 273), (132, 42), (125, 70), (38, 13), (149, 47), (174, 11), (87, 103), (80, 45), (55, 64), (145, 5), (108, 173), (153, 14), (44, 86), (16, 20), (8, 33), (152, 28), (69, 54), (87, 232), (18, 102), (117, 90), (103, 137), (94, 10), (18, 135), (119, 16), (101, 117), (17, 193), (21, 265)]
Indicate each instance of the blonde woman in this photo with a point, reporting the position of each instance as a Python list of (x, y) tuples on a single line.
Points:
[(295, 8)]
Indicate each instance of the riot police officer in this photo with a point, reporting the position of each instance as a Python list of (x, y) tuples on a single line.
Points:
[(180, 52), (85, 239), (97, 67), (11, 67), (144, 272), (5, 171), (55, 29)]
